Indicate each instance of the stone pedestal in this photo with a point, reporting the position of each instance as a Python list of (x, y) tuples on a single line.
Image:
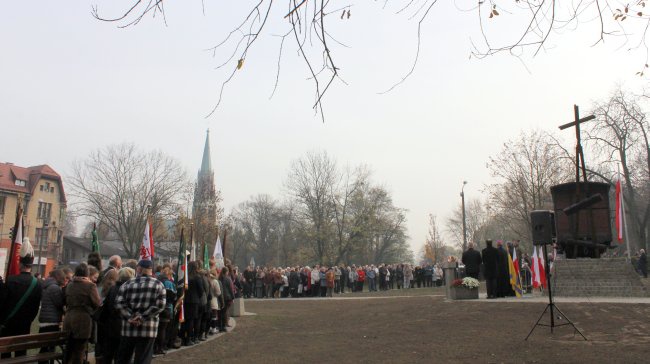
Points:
[(450, 274), (237, 308)]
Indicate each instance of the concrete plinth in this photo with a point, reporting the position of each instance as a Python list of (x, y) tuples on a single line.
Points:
[(450, 273), (237, 308)]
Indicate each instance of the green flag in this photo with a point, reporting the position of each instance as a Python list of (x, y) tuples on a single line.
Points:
[(206, 257), (95, 243), (180, 266)]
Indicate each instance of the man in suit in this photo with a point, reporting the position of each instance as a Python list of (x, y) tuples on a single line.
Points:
[(490, 261), (472, 260)]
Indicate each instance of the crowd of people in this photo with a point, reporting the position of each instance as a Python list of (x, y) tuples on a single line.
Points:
[(133, 310), (324, 281), (130, 310)]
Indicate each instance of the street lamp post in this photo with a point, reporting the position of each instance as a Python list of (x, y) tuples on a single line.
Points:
[(462, 198), (40, 244)]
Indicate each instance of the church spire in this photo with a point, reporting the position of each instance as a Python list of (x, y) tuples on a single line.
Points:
[(206, 163)]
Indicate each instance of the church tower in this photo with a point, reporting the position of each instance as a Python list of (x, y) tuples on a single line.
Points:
[(206, 200)]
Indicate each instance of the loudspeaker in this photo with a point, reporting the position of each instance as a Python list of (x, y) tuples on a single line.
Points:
[(543, 222)]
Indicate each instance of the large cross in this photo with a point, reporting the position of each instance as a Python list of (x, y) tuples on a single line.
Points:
[(580, 157), (580, 164)]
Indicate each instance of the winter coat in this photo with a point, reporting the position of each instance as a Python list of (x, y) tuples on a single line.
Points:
[(408, 273), (52, 302), (294, 280), (82, 299), (329, 278), (215, 292), (490, 262), (315, 277), (361, 276), (472, 260), (14, 288), (195, 290), (226, 289)]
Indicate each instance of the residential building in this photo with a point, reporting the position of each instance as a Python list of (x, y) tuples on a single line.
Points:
[(40, 191)]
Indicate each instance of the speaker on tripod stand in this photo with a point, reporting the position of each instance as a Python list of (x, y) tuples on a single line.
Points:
[(543, 222), (544, 233)]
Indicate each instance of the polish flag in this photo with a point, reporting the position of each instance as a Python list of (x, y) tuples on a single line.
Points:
[(515, 261), (14, 260), (146, 250), (542, 272), (535, 268), (619, 212)]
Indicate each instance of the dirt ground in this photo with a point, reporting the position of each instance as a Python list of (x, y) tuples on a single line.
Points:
[(424, 328)]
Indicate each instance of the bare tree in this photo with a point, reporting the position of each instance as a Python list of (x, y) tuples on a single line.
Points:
[(310, 183), (476, 217), (345, 220), (434, 246), (341, 216), (619, 139), (120, 184), (524, 171)]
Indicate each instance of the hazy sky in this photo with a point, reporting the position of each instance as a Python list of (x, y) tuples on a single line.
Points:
[(70, 84)]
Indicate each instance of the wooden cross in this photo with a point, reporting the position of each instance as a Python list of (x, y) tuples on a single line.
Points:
[(580, 164), (580, 157)]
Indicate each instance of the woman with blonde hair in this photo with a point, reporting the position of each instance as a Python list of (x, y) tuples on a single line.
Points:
[(111, 318)]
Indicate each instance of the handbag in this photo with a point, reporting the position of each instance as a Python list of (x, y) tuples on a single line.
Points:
[(300, 288)]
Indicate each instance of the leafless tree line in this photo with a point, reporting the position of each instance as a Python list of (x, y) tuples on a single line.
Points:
[(330, 215)]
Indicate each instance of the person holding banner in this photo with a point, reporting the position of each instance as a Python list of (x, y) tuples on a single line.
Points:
[(22, 298)]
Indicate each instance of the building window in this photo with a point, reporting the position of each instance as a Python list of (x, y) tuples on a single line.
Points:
[(20, 182), (51, 189), (44, 211), (2, 205), (41, 237), (41, 187)]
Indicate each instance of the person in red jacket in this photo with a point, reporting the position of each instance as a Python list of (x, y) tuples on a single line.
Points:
[(361, 278)]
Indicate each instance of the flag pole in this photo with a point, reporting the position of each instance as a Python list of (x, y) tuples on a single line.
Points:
[(627, 235), (12, 248)]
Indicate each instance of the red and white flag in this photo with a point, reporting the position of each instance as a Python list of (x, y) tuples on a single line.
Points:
[(619, 212), (146, 250), (515, 261), (13, 268), (542, 271), (535, 268)]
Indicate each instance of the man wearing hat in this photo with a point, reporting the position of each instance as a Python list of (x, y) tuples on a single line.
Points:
[(22, 299), (139, 302)]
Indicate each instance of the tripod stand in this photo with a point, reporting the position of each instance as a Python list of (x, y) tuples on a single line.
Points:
[(551, 306)]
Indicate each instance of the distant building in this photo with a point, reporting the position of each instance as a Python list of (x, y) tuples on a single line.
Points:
[(204, 210), (44, 204), (76, 250)]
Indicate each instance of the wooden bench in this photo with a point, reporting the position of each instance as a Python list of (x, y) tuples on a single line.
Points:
[(10, 344)]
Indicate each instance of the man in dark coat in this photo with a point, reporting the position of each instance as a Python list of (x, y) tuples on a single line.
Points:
[(503, 273), (472, 260), (490, 261), (15, 287)]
